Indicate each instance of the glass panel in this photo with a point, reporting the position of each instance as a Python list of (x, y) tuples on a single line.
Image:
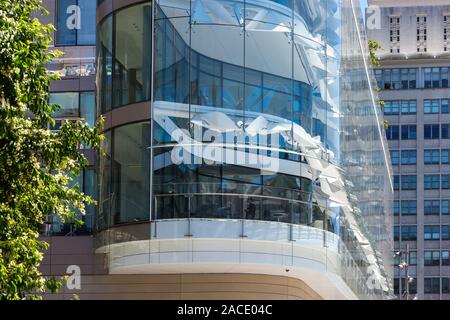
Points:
[(259, 80), (412, 107), (445, 207), (67, 22), (87, 107), (90, 188), (132, 60), (168, 9), (105, 64), (130, 179), (395, 107), (444, 106), (86, 32), (75, 22), (69, 102), (104, 176)]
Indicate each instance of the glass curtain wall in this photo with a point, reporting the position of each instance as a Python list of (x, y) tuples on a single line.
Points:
[(124, 57), (248, 125), (233, 78), (364, 155), (75, 22), (230, 72), (124, 41)]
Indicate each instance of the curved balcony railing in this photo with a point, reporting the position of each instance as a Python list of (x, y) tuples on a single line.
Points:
[(126, 244)]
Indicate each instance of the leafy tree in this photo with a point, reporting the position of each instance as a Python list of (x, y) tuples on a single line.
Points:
[(37, 165), (373, 47)]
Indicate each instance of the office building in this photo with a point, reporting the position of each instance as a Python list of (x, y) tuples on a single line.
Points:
[(413, 77), (245, 154)]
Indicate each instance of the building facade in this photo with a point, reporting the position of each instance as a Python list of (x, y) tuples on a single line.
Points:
[(245, 154), (74, 21), (413, 77)]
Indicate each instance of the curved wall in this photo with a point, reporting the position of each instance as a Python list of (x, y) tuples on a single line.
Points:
[(218, 286)]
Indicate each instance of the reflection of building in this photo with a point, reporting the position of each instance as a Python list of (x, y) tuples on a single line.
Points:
[(414, 73), (249, 150)]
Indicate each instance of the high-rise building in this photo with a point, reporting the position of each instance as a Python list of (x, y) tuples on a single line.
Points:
[(245, 153), (414, 79)]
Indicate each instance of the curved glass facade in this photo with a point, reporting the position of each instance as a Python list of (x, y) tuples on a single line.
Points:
[(124, 57), (264, 126), (222, 74)]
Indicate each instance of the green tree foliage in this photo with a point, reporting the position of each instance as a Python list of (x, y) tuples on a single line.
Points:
[(36, 164), (373, 48)]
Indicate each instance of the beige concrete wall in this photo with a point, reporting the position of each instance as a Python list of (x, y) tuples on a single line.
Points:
[(189, 287), (97, 284)]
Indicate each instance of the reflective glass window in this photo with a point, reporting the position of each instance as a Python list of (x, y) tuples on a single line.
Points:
[(435, 77), (396, 207), (75, 22), (412, 286), (409, 157), (431, 131), (412, 107), (431, 156), (412, 78), (444, 106), (427, 77), (431, 182), (388, 107), (66, 23), (86, 33), (396, 182), (69, 103), (431, 207), (130, 173), (409, 208), (395, 107), (396, 233), (431, 106), (445, 179), (431, 232), (409, 107), (409, 132), (105, 64), (104, 185), (445, 131), (409, 182), (445, 207), (445, 285), (444, 77), (444, 232), (432, 285), (432, 258), (409, 233), (393, 132), (395, 157), (132, 55), (445, 156), (87, 107), (445, 258)]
